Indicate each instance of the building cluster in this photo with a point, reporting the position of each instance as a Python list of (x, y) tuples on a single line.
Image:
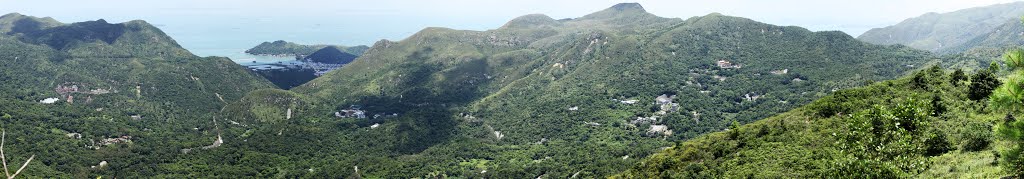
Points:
[(353, 111)]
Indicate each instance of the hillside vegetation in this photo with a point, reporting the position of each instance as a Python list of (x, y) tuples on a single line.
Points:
[(615, 90), (540, 97), (924, 125), (80, 94)]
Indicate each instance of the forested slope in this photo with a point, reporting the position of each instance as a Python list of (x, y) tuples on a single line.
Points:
[(551, 98)]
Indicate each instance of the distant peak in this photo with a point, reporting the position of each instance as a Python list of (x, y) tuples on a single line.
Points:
[(531, 20), (628, 6), (13, 14), (138, 21), (277, 42), (622, 10)]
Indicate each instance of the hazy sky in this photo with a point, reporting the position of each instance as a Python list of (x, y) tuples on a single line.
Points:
[(197, 22)]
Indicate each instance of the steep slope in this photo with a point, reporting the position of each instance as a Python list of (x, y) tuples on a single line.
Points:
[(946, 32), (124, 93), (918, 126), (553, 98)]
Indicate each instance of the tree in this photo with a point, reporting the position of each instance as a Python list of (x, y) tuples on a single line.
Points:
[(936, 143), (937, 107), (993, 67), (1013, 59), (982, 84), (886, 141), (1010, 98), (957, 77)]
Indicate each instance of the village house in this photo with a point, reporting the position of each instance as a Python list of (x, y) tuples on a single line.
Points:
[(663, 99), (74, 135), (726, 64), (49, 100), (666, 104), (61, 89), (353, 113), (780, 72), (643, 120), (631, 101), (659, 129), (122, 139)]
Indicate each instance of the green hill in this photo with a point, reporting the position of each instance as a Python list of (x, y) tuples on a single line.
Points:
[(920, 126), (949, 32), (125, 93), (548, 98)]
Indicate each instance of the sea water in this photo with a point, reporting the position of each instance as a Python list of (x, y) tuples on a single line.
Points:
[(216, 37), (230, 36)]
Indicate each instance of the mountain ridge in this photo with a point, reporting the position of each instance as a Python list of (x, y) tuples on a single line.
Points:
[(939, 31)]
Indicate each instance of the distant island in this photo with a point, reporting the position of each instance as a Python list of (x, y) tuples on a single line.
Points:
[(285, 48), (310, 62)]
